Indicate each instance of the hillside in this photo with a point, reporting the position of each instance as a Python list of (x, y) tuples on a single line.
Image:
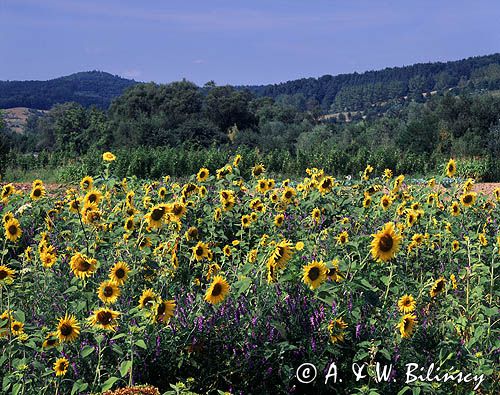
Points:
[(368, 91), (86, 88), (361, 91)]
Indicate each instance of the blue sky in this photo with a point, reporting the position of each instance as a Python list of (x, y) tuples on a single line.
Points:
[(235, 41)]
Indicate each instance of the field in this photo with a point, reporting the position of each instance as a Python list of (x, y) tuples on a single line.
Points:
[(224, 283)]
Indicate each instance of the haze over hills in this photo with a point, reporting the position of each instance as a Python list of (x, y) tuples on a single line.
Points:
[(345, 92)]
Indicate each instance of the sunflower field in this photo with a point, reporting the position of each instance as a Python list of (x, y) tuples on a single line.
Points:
[(221, 283)]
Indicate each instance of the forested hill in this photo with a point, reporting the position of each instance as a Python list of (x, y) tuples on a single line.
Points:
[(359, 91), (86, 88), (345, 92)]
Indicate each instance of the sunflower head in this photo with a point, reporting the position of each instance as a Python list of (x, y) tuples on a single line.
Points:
[(68, 328), (336, 329), (407, 325), (437, 287), (406, 304), (217, 291), (451, 168), (148, 298), (104, 318), (314, 274), (108, 157), (108, 291), (13, 229), (386, 243), (6, 275), (61, 366), (82, 265), (164, 311), (202, 175)]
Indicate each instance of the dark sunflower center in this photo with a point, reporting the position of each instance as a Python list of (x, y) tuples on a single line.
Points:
[(3, 274), (439, 286), (16, 327), (217, 290), (93, 198), (51, 342), (130, 224), (385, 244), (161, 309), (147, 299), (12, 230), (120, 273), (37, 192), (406, 302), (288, 194), (66, 329), (313, 274), (199, 251), (157, 214), (74, 204), (327, 183), (108, 291), (332, 272), (104, 317), (407, 324), (83, 265), (177, 209), (467, 198)]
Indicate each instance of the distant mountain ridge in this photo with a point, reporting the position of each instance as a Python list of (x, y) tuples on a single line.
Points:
[(90, 88), (344, 92)]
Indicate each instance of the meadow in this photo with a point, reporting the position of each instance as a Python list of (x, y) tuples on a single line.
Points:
[(229, 280)]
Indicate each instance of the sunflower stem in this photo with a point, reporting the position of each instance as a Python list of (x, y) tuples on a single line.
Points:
[(389, 281)]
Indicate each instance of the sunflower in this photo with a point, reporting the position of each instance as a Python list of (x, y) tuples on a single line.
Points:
[(104, 318), (451, 168), (455, 245), (257, 170), (155, 216), (92, 196), (108, 291), (68, 328), (411, 218), (176, 211), (314, 274), (48, 260), (437, 287), (453, 280), (326, 185), (218, 290), (336, 329), (7, 190), (61, 366), (386, 243), (288, 194), (90, 213), (482, 239), (237, 160), (281, 255), (82, 265), (87, 183), (37, 192), (129, 224), (385, 202), (7, 217), (299, 246), (334, 273), (164, 311), (367, 201), (108, 157), (17, 328), (227, 250), (407, 304), (468, 199), (496, 192), (279, 219), (148, 297), (455, 209), (246, 221), (200, 251), (6, 275), (262, 186), (50, 341), (74, 205), (13, 229), (343, 237), (316, 214), (407, 325)]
